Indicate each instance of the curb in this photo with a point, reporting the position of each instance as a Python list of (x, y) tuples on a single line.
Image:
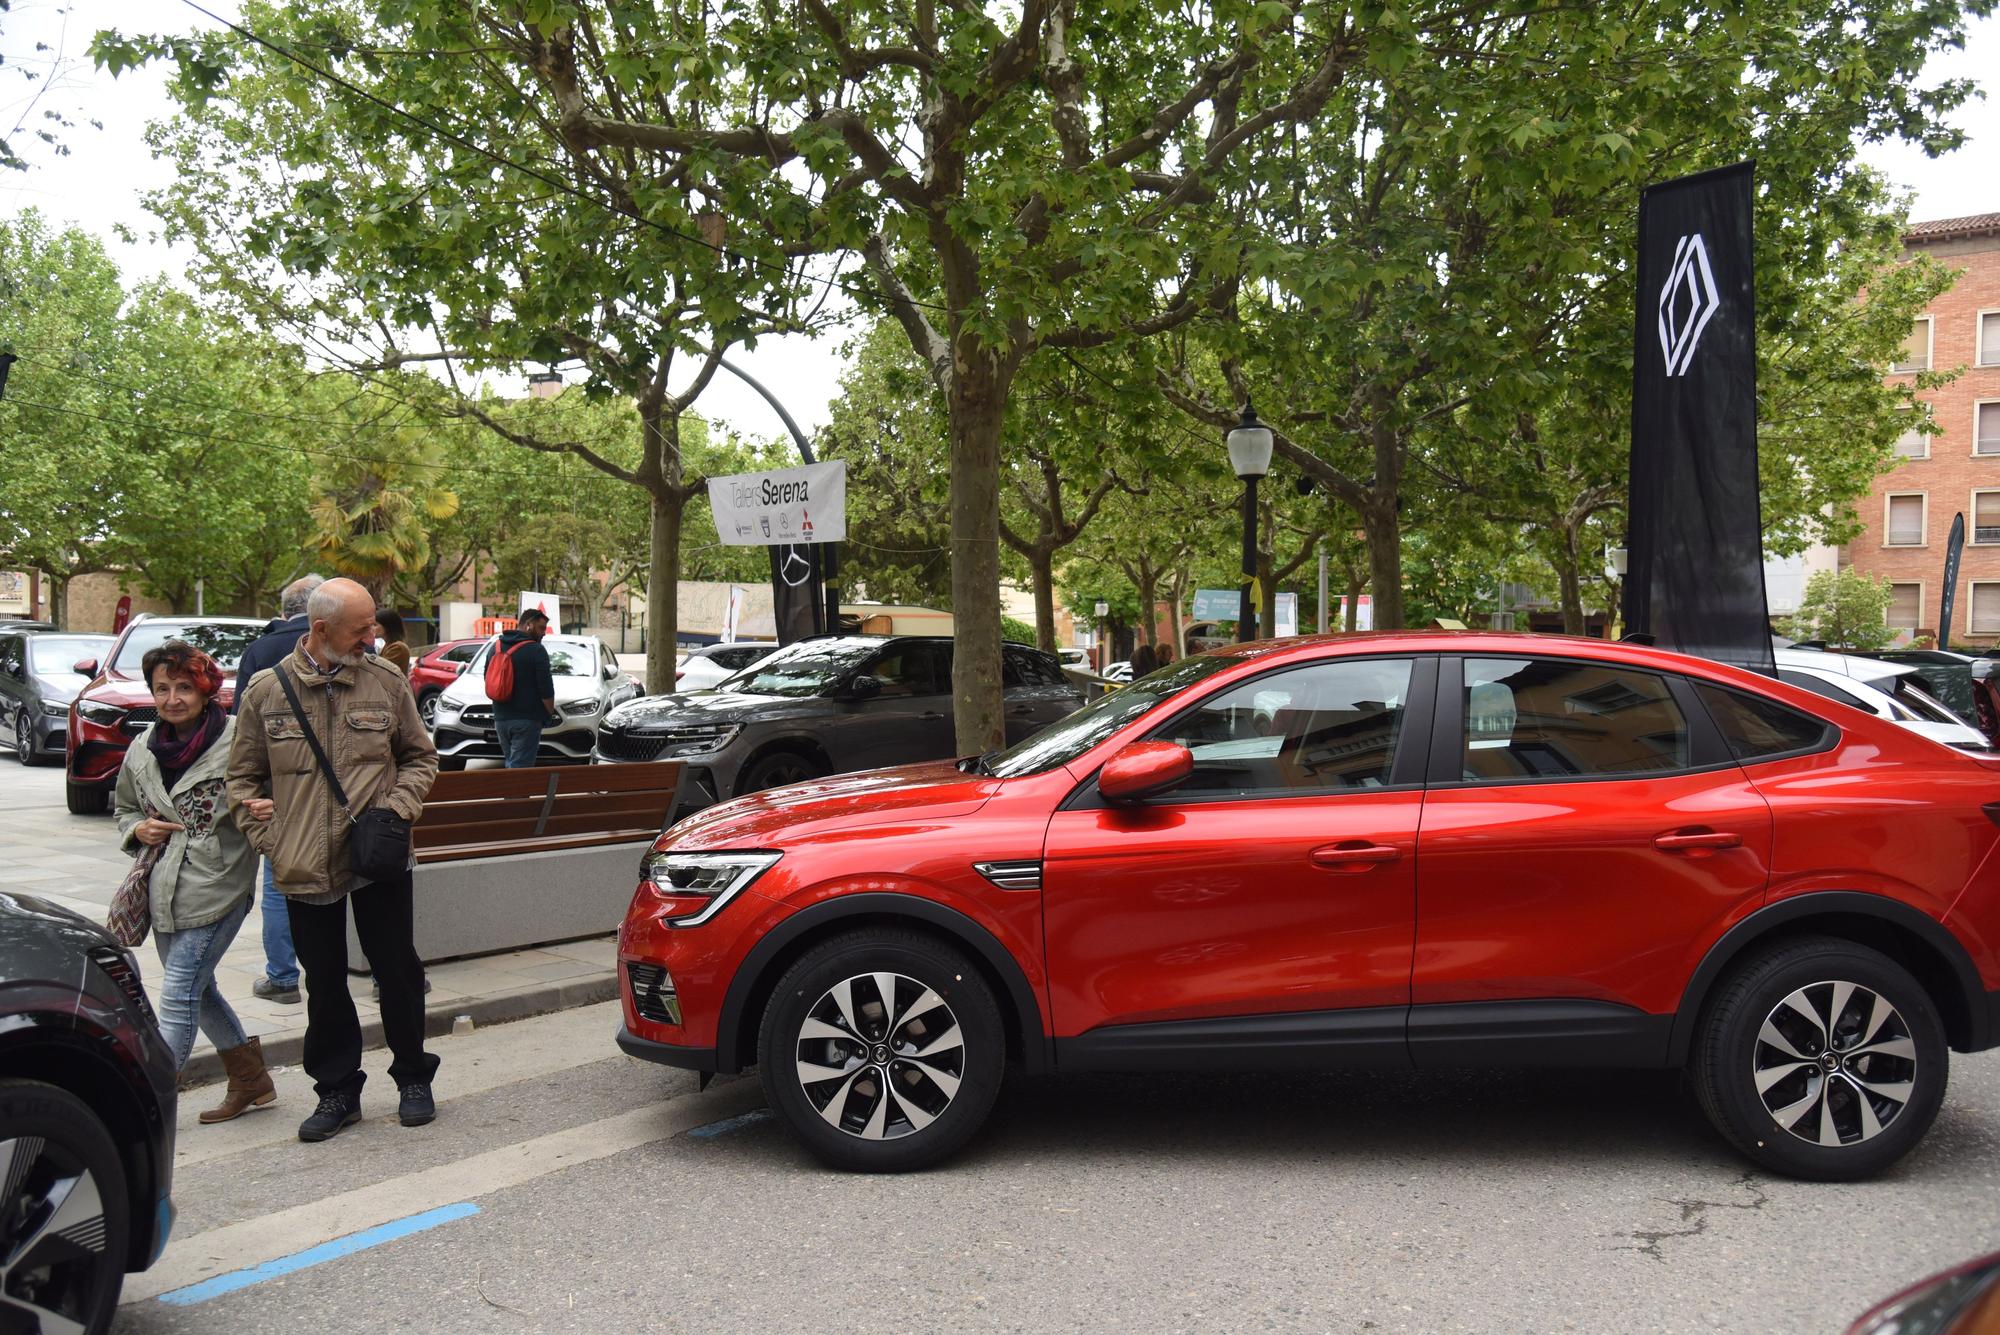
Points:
[(288, 1049)]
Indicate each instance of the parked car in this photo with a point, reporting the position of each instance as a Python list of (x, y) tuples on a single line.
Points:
[(86, 1121), (1887, 690), (1120, 672), (711, 664), (25, 623), (436, 668), (1074, 657), (1631, 858), (38, 679), (1964, 1300), (828, 705), (118, 704), (589, 684)]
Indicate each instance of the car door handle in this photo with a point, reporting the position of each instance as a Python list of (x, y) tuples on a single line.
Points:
[(1687, 840), (1353, 855)]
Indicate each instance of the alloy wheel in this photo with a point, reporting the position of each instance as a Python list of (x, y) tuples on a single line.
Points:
[(1834, 1063), (24, 739), (427, 710), (880, 1056), (53, 1244)]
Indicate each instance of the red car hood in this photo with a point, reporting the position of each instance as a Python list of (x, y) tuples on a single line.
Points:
[(934, 790)]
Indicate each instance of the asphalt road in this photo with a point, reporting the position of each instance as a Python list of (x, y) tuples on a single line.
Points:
[(593, 1192)]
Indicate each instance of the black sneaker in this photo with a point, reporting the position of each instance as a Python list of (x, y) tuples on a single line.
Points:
[(336, 1112), (417, 1106), (270, 991)]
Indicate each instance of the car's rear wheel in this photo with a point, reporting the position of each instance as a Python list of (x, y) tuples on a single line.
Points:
[(882, 1050), (64, 1218), (776, 770), (86, 801), (1821, 1059)]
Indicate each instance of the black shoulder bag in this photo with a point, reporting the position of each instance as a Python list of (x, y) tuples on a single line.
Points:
[(378, 844)]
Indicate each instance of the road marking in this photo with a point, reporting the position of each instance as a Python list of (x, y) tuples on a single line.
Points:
[(728, 1124), (312, 1256), (251, 1242)]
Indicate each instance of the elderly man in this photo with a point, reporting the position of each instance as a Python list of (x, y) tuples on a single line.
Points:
[(360, 710), (280, 982)]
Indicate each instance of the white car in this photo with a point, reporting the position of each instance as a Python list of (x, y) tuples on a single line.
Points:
[(588, 685), (1886, 690), (1074, 658), (712, 664)]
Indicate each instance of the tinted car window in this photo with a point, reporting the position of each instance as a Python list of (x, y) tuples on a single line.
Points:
[(1026, 667), (739, 658), (1806, 681), (913, 667), (1756, 728), (1530, 719), (10, 655), (1320, 728), (463, 653), (224, 643), (1064, 741)]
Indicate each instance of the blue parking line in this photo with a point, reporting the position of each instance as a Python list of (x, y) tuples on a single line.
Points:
[(312, 1256), (728, 1124)]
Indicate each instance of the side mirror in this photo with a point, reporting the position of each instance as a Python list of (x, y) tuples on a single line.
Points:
[(1144, 769), (864, 688), (84, 667), (458, 669)]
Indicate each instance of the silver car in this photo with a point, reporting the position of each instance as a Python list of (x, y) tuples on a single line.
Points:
[(589, 684)]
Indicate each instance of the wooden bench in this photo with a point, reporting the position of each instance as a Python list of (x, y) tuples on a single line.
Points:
[(508, 859)]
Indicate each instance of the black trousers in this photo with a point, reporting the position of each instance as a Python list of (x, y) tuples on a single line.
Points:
[(382, 919)]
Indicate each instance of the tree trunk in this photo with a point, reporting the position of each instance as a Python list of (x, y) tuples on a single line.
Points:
[(1385, 567), (663, 593), (978, 398), (1042, 563), (1355, 584), (1178, 588), (1571, 584), (59, 601), (1149, 602)]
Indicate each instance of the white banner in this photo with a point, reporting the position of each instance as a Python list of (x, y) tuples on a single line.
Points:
[(787, 505), (546, 602)]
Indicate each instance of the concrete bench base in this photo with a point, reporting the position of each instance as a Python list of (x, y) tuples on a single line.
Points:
[(481, 906)]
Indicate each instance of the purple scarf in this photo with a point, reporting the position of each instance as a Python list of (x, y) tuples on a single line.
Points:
[(177, 753)]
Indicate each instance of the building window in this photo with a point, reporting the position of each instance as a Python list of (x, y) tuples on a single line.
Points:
[(1906, 521), (1989, 338), (1985, 615), (1986, 516), (1913, 444), (1906, 606), (1986, 428), (1916, 349)]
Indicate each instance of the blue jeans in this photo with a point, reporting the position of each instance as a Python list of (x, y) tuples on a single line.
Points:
[(281, 962), (188, 995), (520, 738)]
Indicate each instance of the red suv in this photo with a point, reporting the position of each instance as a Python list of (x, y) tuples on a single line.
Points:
[(438, 667), (118, 704), (1406, 850)]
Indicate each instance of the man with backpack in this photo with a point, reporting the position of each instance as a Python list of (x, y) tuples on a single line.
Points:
[(522, 688)]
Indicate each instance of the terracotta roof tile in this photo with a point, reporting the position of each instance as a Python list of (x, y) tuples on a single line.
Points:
[(1977, 224)]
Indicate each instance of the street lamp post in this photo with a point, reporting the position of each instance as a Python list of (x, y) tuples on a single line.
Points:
[(1250, 455), (1103, 609)]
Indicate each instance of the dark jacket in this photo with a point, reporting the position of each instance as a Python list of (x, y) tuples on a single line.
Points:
[(267, 651), (533, 682)]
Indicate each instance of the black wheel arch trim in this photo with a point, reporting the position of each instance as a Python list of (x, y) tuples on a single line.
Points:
[(967, 932), (1973, 999)]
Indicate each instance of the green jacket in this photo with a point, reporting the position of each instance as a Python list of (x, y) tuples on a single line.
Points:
[(205, 870)]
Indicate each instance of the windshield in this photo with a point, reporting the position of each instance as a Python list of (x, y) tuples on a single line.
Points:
[(1068, 738), (54, 655), (809, 668), (224, 642), (567, 658)]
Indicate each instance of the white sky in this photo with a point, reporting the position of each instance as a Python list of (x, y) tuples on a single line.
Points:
[(99, 183)]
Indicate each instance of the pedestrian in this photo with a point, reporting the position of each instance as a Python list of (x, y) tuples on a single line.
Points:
[(172, 809), (333, 720), (280, 982), (1143, 661), (389, 630), (1164, 651), (520, 718)]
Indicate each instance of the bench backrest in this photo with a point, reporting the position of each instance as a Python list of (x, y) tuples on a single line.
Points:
[(481, 813)]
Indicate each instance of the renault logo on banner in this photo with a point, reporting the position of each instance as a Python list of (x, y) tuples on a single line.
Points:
[(1687, 300)]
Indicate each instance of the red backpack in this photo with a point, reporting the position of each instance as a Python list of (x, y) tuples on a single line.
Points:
[(500, 674)]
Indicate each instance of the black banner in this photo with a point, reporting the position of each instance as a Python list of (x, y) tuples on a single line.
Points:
[(795, 591), (1695, 548), (1952, 551)]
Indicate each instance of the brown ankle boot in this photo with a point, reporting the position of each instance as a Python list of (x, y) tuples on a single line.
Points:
[(249, 1083)]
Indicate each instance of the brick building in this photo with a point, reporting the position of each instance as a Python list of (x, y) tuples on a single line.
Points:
[(1906, 520)]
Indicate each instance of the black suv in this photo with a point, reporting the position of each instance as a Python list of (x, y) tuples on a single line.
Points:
[(86, 1121), (828, 705)]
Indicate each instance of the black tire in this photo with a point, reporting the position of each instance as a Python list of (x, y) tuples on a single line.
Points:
[(86, 801), (57, 1154), (450, 764), (923, 1121), (1878, 1077), (777, 769), (24, 739)]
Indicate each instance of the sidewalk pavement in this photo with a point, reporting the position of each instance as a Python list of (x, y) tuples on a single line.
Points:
[(75, 861)]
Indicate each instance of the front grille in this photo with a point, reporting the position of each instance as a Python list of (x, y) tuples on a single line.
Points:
[(119, 968), (478, 716), (1024, 875), (135, 720), (631, 745), (653, 993)]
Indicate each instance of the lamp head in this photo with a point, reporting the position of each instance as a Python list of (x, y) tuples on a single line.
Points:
[(1250, 445)]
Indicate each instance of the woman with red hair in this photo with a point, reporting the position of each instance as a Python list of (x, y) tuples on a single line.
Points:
[(173, 810)]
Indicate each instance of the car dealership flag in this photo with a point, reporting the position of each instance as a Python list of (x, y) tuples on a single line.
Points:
[(1695, 572), (1954, 548)]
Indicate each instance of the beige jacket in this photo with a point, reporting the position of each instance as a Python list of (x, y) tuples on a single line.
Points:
[(367, 722)]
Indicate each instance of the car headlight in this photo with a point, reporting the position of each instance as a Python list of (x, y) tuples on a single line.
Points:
[(448, 709), (100, 713), (579, 708), (695, 886), (50, 709), (699, 741)]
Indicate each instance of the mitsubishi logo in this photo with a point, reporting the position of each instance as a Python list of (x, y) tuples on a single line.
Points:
[(1687, 300)]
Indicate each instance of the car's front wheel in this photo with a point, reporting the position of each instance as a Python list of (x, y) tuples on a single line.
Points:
[(64, 1217), (24, 738), (776, 770), (427, 708), (1821, 1059), (882, 1050)]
